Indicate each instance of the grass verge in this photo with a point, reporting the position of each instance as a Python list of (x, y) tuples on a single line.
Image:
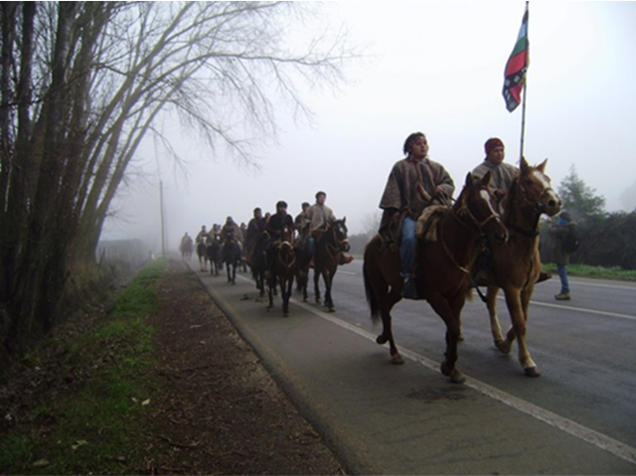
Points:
[(89, 422), (587, 271)]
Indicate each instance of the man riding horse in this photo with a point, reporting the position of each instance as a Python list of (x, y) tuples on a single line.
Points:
[(230, 228), (275, 227), (413, 184), (318, 216), (502, 176)]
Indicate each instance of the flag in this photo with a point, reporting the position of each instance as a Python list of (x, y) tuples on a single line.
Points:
[(516, 67)]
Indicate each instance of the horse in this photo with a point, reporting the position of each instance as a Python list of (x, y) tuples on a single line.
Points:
[(231, 256), (186, 249), (517, 264), (258, 262), (330, 244), (202, 254), (284, 269), (443, 266), (302, 269), (213, 252)]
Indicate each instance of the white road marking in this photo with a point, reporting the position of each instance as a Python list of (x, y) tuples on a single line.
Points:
[(584, 433), (581, 309)]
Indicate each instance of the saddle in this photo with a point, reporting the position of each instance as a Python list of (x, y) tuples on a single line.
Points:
[(426, 228)]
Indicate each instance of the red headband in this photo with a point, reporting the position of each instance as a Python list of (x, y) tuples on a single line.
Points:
[(491, 144)]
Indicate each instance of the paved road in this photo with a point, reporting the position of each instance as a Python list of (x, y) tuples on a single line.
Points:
[(577, 418)]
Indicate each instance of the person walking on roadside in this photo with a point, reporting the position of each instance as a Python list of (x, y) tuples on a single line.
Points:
[(560, 254)]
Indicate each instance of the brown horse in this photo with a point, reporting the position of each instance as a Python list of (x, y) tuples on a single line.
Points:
[(284, 269), (330, 243), (517, 264), (443, 265)]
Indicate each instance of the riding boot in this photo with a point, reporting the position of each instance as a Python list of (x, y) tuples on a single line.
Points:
[(543, 276), (345, 259)]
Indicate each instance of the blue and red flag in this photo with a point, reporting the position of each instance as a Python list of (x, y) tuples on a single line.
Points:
[(516, 67)]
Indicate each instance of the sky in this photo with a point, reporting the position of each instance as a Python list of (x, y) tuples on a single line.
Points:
[(434, 67)]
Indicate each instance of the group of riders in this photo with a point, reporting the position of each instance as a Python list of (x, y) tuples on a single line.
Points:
[(265, 232), (414, 183)]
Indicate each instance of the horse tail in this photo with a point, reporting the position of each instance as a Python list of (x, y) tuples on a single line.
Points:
[(368, 287)]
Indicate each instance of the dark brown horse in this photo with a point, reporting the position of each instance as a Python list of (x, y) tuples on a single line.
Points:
[(213, 250), (284, 269), (517, 264), (443, 266), (231, 255), (202, 254), (330, 243)]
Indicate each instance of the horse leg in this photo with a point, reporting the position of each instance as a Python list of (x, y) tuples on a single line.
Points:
[(317, 286), (287, 287), (528, 365), (502, 344), (328, 278), (445, 310), (386, 301)]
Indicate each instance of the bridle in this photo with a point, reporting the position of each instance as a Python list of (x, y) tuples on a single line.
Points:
[(339, 246), (465, 210)]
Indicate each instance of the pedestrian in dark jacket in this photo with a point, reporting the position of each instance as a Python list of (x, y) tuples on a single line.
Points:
[(559, 255)]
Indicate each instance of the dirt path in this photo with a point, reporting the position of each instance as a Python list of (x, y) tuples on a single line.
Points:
[(222, 413)]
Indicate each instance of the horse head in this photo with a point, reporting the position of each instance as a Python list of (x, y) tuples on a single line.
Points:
[(287, 235), (534, 189), (479, 205), (339, 230)]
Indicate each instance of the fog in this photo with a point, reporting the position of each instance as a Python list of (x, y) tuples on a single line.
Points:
[(435, 67)]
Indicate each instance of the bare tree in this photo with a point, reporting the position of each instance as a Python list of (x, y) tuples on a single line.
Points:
[(74, 114)]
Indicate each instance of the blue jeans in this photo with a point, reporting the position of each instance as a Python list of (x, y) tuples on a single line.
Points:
[(563, 275), (407, 248), (311, 246)]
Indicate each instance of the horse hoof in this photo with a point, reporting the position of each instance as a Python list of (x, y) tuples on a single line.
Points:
[(531, 372), (397, 359), (382, 339), (457, 377), (332, 309), (503, 346), (460, 337)]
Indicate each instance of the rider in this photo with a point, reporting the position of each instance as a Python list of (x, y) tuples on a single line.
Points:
[(255, 228), (318, 216), (502, 175), (301, 223), (411, 187), (186, 240), (230, 227), (275, 226), (201, 236)]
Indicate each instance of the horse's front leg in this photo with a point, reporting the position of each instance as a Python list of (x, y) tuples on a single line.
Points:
[(442, 307), (497, 335)]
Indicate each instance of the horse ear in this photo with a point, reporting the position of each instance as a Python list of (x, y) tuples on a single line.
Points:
[(542, 165), (344, 219), (469, 178), (485, 180)]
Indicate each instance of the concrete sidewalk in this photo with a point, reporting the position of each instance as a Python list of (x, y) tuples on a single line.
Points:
[(384, 419)]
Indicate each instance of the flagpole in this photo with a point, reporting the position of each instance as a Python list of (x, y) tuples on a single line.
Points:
[(525, 90)]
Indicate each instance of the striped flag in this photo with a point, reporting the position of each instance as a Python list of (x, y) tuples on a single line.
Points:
[(516, 67)]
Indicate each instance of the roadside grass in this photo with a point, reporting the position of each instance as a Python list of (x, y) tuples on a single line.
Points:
[(584, 270), (92, 422)]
